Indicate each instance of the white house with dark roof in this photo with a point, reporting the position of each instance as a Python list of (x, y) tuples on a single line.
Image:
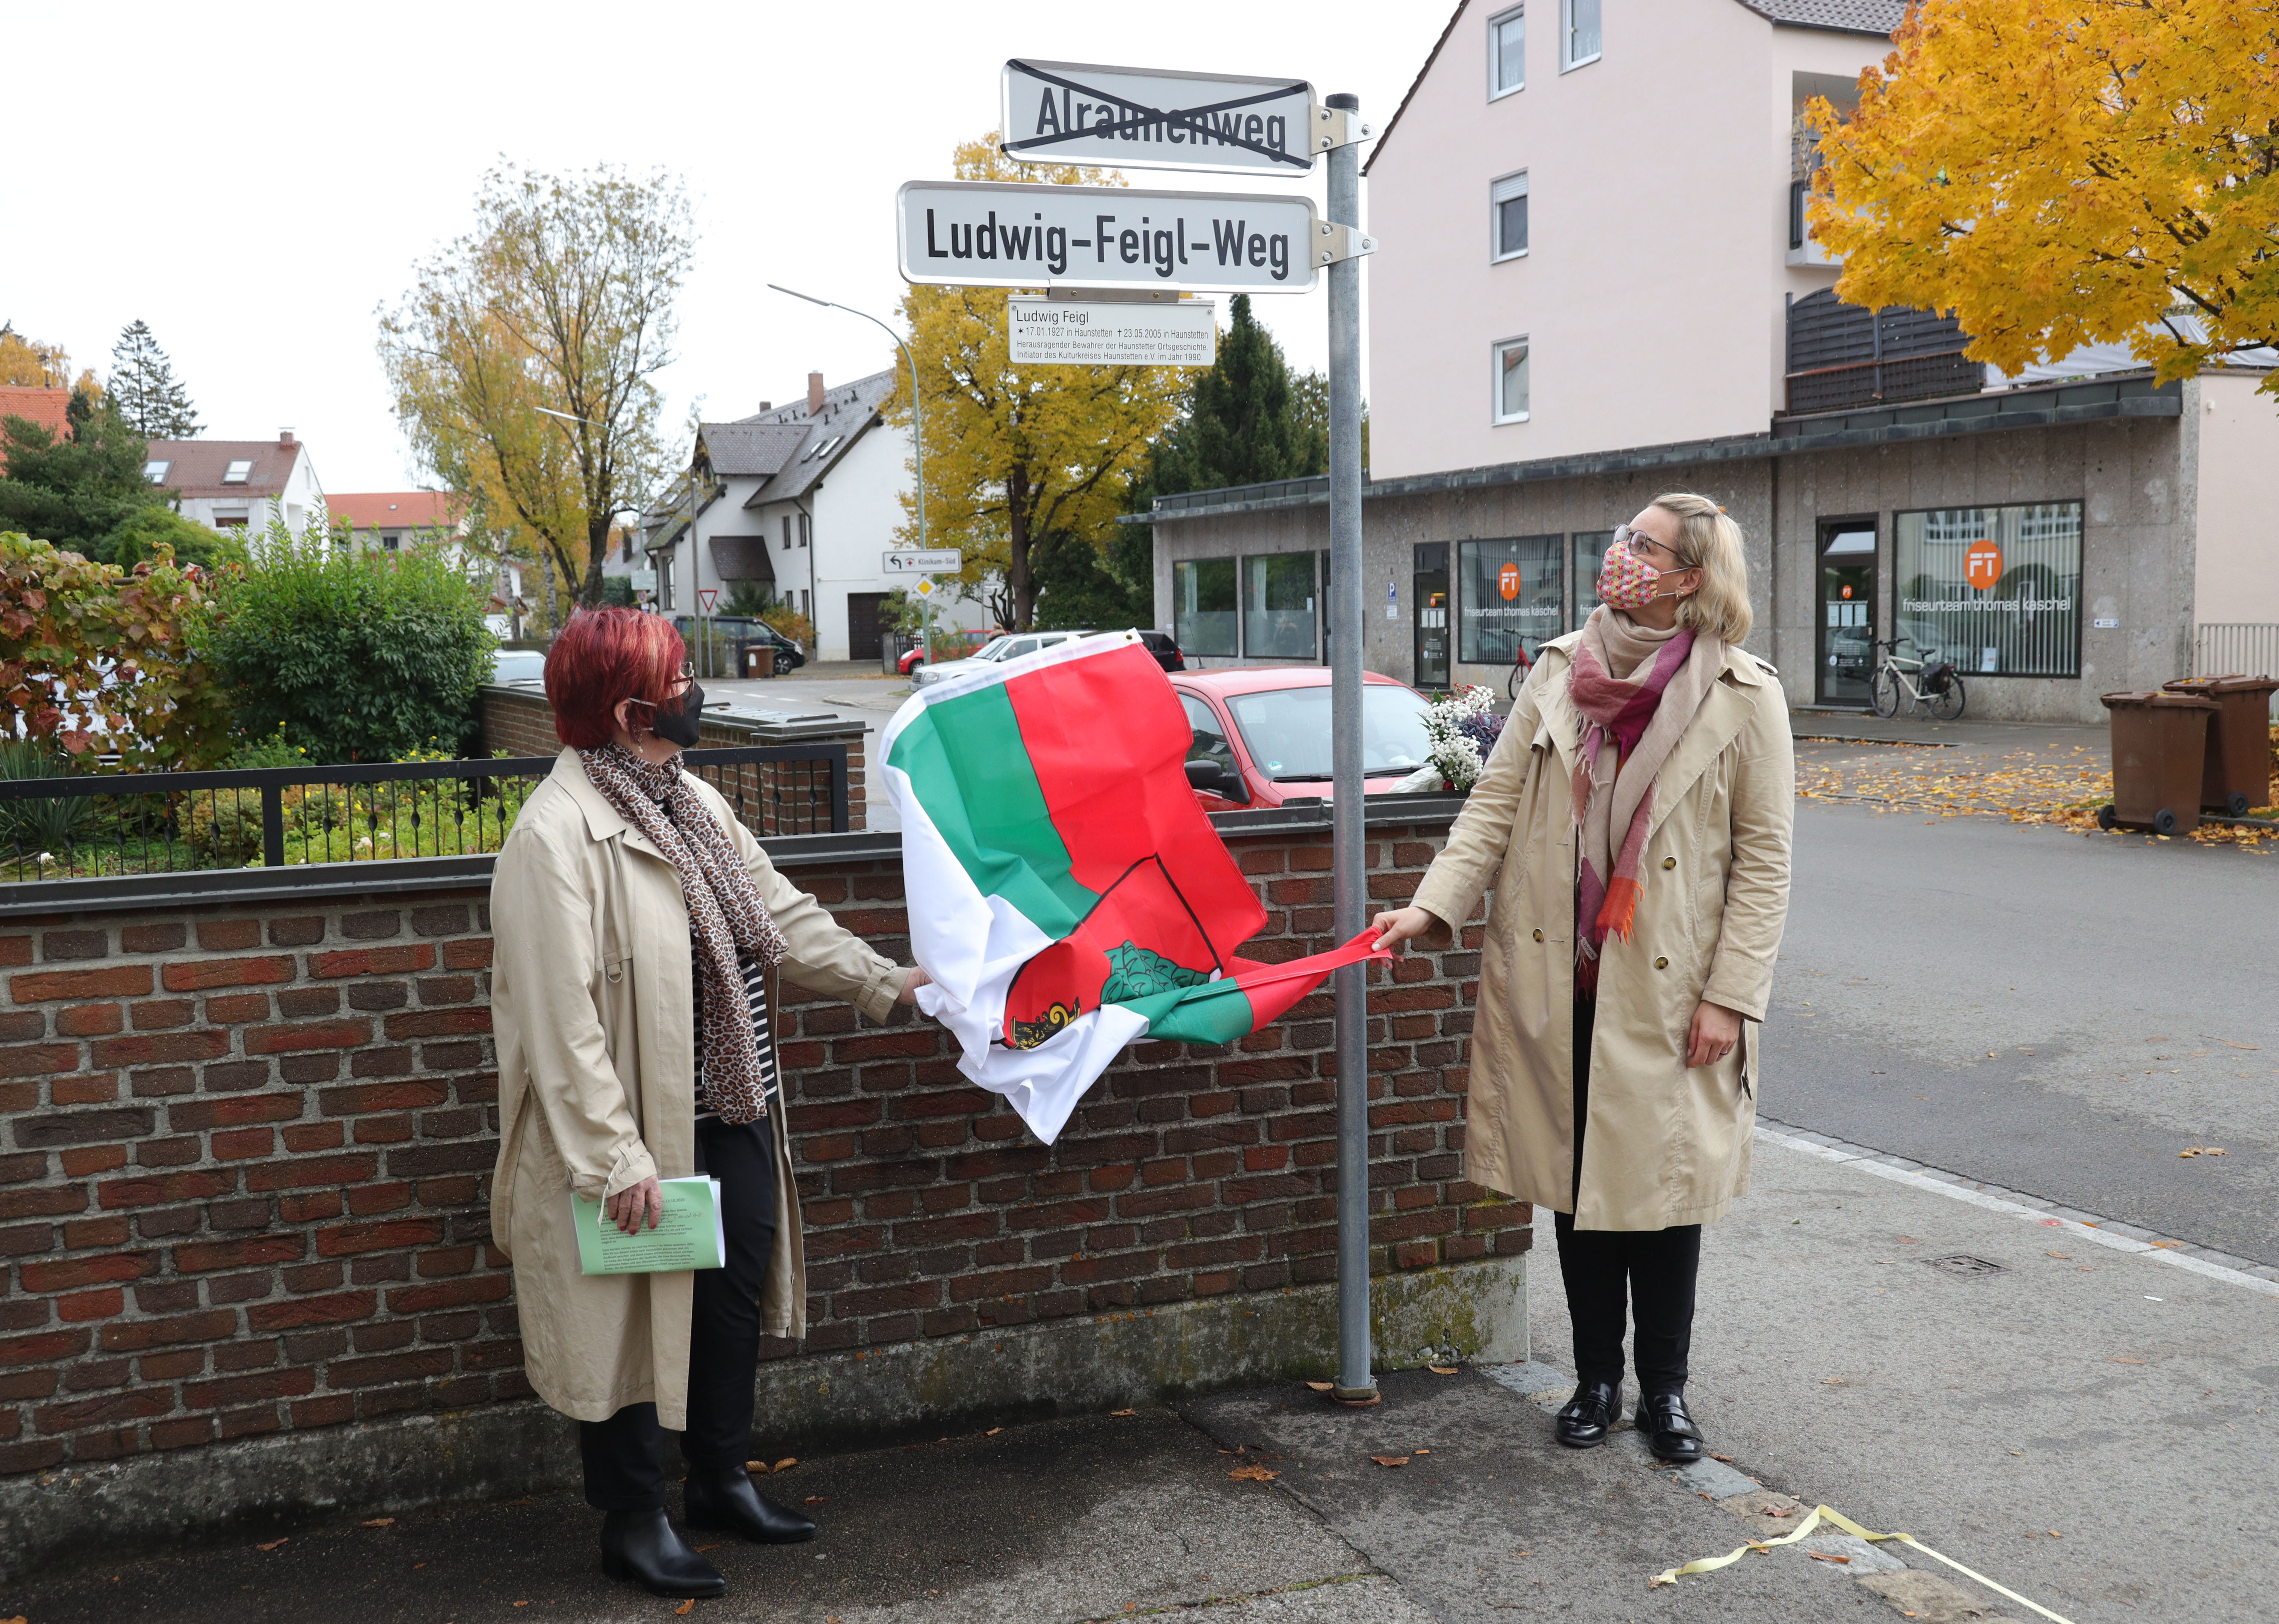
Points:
[(237, 484), (801, 500)]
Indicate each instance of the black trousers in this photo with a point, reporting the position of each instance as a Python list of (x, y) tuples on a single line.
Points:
[(620, 1454), (1651, 1272)]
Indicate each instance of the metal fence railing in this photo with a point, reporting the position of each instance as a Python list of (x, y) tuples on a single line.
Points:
[(100, 825), (1884, 383), (2237, 649)]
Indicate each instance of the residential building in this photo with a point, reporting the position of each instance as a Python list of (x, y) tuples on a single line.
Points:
[(1595, 284), (48, 408), (238, 484), (390, 520), (801, 502)]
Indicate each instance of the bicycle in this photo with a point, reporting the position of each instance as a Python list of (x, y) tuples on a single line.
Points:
[(1941, 690)]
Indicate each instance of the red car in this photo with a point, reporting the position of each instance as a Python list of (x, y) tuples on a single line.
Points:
[(914, 656), (1262, 734)]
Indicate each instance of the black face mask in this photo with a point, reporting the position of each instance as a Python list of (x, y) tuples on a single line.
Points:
[(679, 726)]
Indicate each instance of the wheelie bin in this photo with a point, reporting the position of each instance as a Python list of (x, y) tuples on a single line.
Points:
[(2159, 754), (2238, 773)]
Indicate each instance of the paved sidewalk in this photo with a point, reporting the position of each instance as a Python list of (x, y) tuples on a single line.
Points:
[(2088, 1429)]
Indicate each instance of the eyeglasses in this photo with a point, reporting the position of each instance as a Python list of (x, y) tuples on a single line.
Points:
[(687, 673), (1639, 542)]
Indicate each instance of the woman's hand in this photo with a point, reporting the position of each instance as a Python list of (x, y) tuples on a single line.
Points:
[(1714, 1031), (1401, 924), (628, 1208), (909, 992)]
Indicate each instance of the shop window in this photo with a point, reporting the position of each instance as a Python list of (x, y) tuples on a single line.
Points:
[(1995, 590), (1278, 607), (1509, 598), (1202, 606), (1589, 549)]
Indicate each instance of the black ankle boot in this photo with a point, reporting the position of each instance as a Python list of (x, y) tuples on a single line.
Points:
[(643, 1548), (1582, 1421), (1670, 1431), (727, 1500)]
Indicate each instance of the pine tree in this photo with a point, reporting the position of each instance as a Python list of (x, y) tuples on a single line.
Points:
[(1248, 420), (142, 382)]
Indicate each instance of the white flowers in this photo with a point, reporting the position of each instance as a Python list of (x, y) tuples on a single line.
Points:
[(1462, 729)]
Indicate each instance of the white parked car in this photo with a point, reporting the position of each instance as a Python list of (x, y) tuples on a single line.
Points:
[(1012, 645), (519, 665)]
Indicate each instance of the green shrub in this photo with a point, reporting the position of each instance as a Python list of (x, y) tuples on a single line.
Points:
[(356, 656), (147, 529), (31, 827)]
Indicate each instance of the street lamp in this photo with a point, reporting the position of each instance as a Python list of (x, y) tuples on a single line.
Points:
[(918, 428)]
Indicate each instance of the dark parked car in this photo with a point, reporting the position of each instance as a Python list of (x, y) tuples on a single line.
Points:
[(1166, 652)]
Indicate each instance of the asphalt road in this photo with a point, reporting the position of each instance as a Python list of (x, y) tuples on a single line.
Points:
[(2021, 1005)]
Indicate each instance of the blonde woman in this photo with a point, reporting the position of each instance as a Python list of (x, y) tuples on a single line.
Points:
[(1634, 821)]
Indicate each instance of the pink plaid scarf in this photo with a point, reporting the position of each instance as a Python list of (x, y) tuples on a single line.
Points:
[(1629, 727)]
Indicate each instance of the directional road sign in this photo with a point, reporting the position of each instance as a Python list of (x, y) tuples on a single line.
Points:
[(930, 560), (1110, 331), (981, 234), (1073, 113)]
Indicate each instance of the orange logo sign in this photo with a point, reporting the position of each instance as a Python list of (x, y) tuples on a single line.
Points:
[(1508, 581), (1982, 565), (1847, 592)]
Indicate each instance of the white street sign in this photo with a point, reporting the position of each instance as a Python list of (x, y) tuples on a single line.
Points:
[(932, 560), (1111, 332), (642, 580), (1074, 113), (978, 233)]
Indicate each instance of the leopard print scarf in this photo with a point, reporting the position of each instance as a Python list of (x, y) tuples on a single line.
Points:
[(724, 911)]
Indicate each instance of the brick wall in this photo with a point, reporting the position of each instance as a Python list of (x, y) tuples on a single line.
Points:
[(793, 798), (243, 1186)]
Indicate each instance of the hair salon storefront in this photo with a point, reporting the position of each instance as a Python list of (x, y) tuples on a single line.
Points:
[(2043, 540)]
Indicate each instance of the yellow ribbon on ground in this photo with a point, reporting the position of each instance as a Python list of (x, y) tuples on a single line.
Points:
[(1710, 1565)]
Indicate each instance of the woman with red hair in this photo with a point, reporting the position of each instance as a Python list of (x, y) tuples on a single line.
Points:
[(639, 936)]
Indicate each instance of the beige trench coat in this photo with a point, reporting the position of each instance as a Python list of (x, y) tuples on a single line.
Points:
[(595, 1012), (1665, 1144)]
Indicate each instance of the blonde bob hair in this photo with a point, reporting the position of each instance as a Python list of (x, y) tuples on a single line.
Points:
[(1709, 541)]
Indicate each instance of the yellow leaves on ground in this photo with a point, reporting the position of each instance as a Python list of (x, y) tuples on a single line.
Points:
[(1254, 1473), (763, 1468), (2062, 784)]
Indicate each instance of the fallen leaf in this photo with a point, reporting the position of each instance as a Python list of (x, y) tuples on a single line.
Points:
[(679, 1612), (756, 1466), (2117, 1359), (993, 1432), (1441, 1369), (1253, 1475), (1834, 1381), (1321, 1387), (1115, 1413), (787, 1464), (1822, 1556), (2053, 1534), (416, 1567), (2067, 1257), (1728, 1459), (1424, 1452), (715, 1545), (2230, 1045), (816, 1499), (1390, 1460), (379, 1522), (1909, 1240), (1780, 1510), (272, 1545)]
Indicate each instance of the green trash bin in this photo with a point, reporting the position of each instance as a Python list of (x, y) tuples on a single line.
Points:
[(2238, 771), (2159, 757)]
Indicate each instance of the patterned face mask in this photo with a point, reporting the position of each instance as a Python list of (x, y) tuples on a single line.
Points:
[(1626, 580)]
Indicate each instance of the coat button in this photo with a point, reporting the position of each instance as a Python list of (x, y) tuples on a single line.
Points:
[(1669, 862), (1662, 964), (1538, 936)]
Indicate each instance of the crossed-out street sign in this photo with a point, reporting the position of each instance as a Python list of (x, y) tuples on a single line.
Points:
[(1075, 112)]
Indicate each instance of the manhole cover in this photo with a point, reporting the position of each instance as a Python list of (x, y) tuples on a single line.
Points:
[(1963, 1263)]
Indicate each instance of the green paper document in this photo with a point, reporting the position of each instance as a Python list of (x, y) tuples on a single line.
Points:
[(688, 1233)]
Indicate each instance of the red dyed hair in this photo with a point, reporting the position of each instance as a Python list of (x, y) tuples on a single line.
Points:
[(604, 655)]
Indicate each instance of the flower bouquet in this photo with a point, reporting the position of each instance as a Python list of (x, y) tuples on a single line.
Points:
[(1462, 729)]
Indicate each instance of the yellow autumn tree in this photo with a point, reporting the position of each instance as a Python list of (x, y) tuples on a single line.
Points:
[(559, 301), (37, 365), (2058, 172), (1017, 456)]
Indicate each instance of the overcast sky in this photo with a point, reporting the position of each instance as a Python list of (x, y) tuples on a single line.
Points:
[(255, 182)]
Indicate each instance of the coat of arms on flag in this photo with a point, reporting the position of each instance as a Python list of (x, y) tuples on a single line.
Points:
[(1067, 893)]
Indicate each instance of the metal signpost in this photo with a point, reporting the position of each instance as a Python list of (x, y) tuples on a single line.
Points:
[(925, 564), (1114, 260)]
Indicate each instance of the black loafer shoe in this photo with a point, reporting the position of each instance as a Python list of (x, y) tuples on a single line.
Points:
[(729, 1501), (1584, 1421), (1670, 1431), (643, 1548)]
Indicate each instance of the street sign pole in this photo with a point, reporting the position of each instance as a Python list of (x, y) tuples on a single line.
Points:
[(1355, 1381)]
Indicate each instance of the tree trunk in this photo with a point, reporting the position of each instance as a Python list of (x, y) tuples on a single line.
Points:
[(597, 550), (1018, 577)]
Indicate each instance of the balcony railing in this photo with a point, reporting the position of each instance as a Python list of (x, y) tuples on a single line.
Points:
[(1878, 383)]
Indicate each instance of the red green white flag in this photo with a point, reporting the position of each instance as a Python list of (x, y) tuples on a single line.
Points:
[(1067, 893)]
